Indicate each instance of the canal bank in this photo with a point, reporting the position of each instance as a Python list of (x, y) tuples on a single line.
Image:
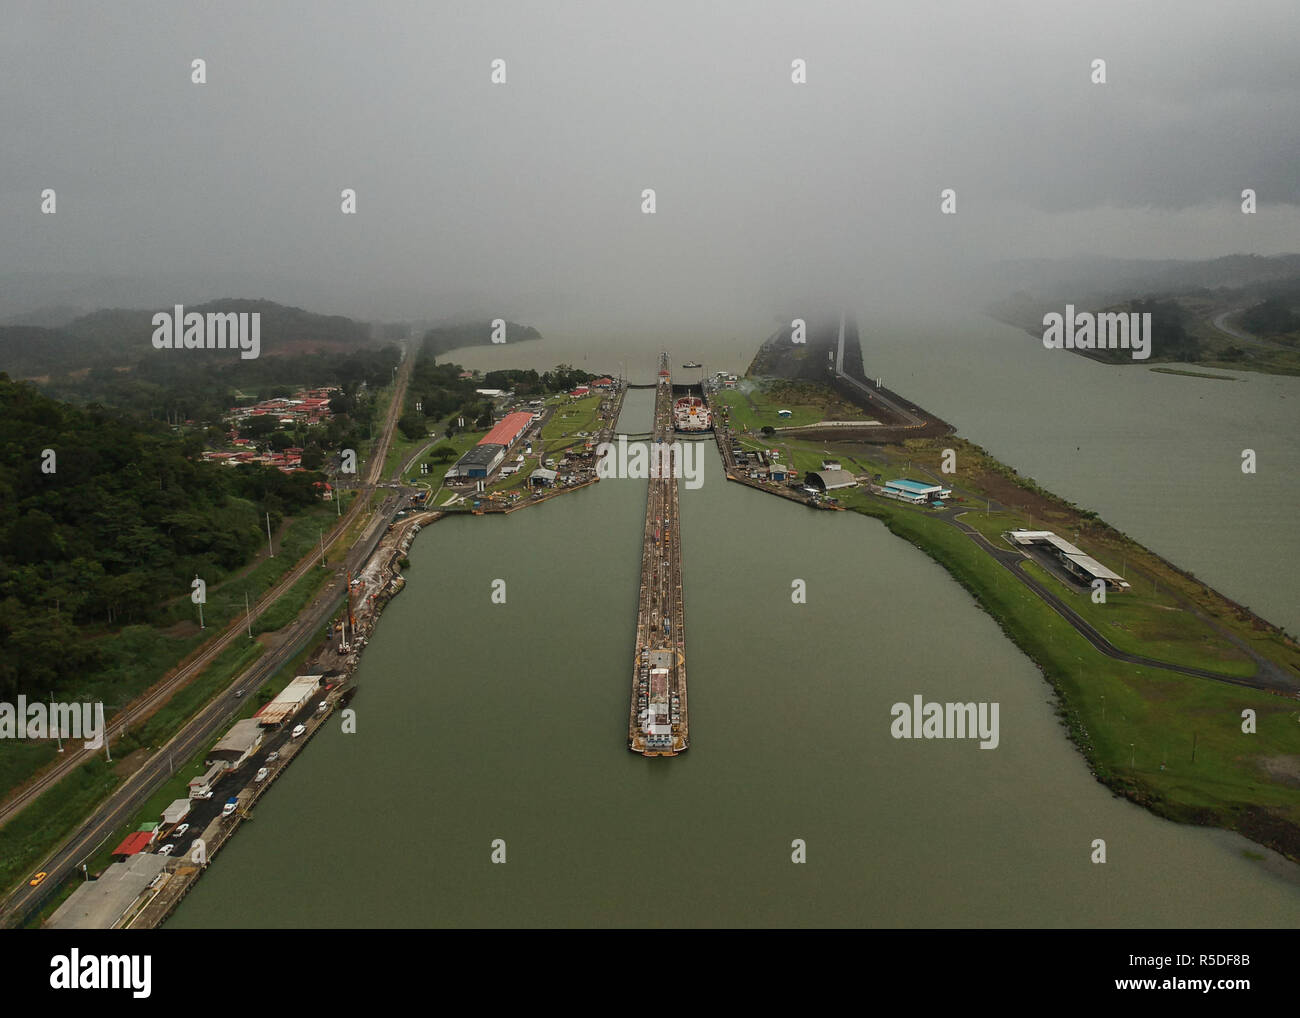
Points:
[(504, 712)]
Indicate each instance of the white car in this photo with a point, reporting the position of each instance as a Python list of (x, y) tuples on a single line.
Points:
[(261, 775), (297, 731), (273, 757), (180, 831), (320, 707), (166, 850)]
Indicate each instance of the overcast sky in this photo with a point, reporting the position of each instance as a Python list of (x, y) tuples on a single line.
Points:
[(526, 197)]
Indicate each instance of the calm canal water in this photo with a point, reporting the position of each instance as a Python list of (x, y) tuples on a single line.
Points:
[(479, 721)]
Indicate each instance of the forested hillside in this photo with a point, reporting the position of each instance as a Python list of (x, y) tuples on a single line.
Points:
[(116, 517)]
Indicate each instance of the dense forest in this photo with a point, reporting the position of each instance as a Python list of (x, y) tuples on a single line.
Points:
[(103, 516), (1170, 338), (1273, 319)]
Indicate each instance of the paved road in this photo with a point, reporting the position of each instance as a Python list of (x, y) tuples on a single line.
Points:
[(218, 713), (1012, 560), (1220, 322)]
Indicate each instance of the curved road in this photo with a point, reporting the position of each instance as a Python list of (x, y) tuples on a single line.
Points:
[(1011, 560)]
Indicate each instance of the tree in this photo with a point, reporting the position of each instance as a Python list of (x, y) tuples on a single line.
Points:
[(412, 425), (443, 452)]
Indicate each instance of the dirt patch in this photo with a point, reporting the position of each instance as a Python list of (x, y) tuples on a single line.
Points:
[(1283, 768), (131, 763)]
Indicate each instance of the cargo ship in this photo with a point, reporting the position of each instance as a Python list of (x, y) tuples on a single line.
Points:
[(691, 414)]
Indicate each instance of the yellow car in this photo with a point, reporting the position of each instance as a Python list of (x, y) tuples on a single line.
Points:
[(37, 879)]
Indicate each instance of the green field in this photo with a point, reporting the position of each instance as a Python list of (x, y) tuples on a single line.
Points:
[(561, 431), (756, 405), (1153, 625)]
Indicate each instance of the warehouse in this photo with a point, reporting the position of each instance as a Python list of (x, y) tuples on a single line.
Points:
[(239, 744), (479, 461), (916, 492), (508, 430), (288, 701), (829, 480), (1079, 565), (101, 904)]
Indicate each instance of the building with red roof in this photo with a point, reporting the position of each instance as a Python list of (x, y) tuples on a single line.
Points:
[(508, 430), (136, 841)]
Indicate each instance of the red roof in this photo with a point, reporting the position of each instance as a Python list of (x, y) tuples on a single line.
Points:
[(134, 843), (508, 430)]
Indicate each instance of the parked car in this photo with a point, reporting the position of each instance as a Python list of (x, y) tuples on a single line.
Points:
[(297, 731), (320, 707), (203, 795), (180, 831), (261, 774), (166, 849), (273, 757)]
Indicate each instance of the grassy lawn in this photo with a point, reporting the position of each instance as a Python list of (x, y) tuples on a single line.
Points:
[(1118, 712), (1153, 625), (993, 525), (462, 443), (980, 473), (561, 431), (807, 402)]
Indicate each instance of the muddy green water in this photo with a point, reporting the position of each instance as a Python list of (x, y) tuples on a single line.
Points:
[(479, 721)]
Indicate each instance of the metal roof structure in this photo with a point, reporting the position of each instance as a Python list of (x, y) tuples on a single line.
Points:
[(1085, 562), (915, 487), (828, 480), (481, 455), (241, 739), (100, 904), (136, 841), (288, 700), (510, 427)]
